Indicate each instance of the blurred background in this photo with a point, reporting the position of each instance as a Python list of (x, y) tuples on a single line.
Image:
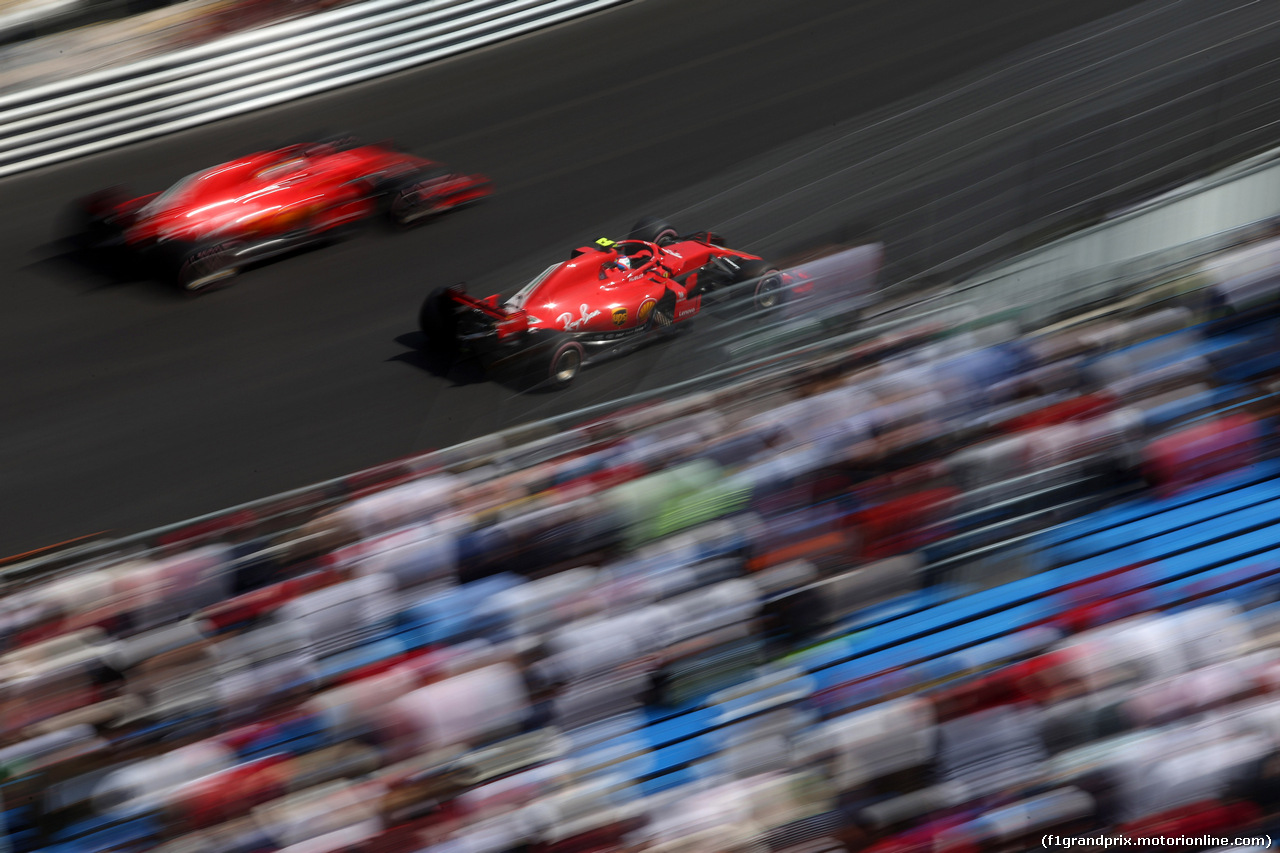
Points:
[(969, 541)]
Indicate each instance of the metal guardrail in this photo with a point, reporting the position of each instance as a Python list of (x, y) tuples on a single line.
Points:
[(257, 69), (1046, 141), (1101, 263)]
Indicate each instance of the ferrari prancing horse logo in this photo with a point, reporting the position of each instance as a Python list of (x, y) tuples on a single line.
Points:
[(619, 316)]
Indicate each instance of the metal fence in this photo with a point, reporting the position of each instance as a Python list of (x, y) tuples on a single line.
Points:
[(1103, 262), (256, 69)]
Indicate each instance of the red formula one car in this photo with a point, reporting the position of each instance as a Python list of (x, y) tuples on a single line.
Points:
[(208, 226), (606, 296)]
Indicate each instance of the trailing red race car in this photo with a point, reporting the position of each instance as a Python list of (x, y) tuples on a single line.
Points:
[(208, 226), (607, 295)]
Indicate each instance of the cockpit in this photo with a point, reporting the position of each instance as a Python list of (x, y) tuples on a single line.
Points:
[(633, 256)]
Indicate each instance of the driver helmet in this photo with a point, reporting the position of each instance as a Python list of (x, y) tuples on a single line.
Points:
[(623, 261)]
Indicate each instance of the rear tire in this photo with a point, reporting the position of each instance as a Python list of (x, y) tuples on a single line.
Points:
[(654, 229), (101, 206), (435, 319), (566, 363), (95, 222)]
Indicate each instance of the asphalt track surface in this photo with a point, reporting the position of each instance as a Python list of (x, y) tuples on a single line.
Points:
[(126, 405)]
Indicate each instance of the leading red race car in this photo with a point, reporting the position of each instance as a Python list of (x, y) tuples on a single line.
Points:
[(606, 296), (208, 226)]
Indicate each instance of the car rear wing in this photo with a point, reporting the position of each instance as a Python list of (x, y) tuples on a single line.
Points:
[(708, 237), (493, 317), (488, 306)]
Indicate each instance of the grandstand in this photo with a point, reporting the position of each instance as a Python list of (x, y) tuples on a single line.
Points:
[(960, 588)]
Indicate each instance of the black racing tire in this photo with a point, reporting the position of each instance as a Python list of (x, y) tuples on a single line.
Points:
[(98, 205), (206, 267), (654, 229), (94, 222), (565, 364), (768, 290), (435, 319)]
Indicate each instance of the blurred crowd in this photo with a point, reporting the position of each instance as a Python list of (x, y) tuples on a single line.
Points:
[(779, 624)]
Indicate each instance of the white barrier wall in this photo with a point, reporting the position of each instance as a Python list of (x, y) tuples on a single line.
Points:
[(256, 69)]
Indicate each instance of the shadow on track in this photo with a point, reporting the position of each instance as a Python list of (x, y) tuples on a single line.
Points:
[(458, 371), (466, 370), (88, 272)]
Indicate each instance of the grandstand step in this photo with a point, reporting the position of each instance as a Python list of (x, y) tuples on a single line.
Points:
[(1147, 506), (1256, 523), (1169, 414), (1093, 544)]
